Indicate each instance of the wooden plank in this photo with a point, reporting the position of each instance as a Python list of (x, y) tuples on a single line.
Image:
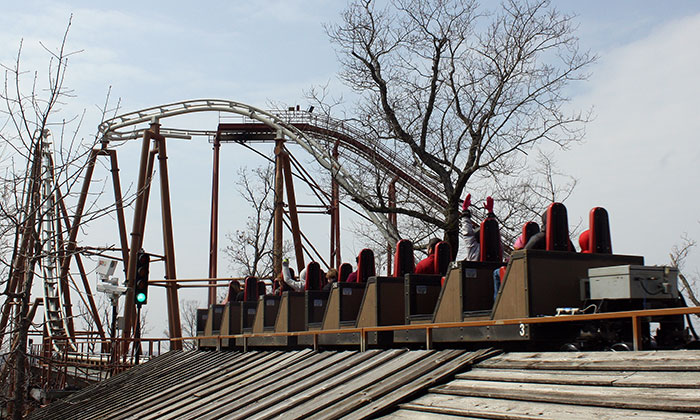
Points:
[(107, 397), (189, 382), (670, 355), (601, 378), (544, 376), (353, 387), (375, 393), (272, 388), (492, 408), (684, 399), (661, 380), (238, 371), (404, 414), (411, 381), (289, 388), (347, 372), (639, 361), (145, 378), (227, 383), (206, 400)]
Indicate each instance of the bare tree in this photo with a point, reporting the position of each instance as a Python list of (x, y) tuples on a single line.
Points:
[(250, 249), (189, 322), (43, 161), (678, 255), (461, 92)]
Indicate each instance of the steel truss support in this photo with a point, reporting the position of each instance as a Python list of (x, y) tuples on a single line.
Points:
[(283, 178), (214, 223), (293, 215), (70, 249), (140, 211), (279, 207), (335, 212), (392, 222)]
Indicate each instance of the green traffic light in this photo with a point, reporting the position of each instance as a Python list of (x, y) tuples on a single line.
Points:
[(140, 297)]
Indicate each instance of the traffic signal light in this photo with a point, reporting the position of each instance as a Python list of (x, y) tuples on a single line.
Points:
[(141, 281)]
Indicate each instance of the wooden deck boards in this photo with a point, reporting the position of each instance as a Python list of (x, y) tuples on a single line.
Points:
[(603, 385), (264, 384)]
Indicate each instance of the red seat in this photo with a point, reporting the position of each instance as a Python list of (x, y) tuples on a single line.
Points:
[(599, 241), (490, 240), (557, 228), (443, 257), (404, 262), (344, 271), (530, 229), (314, 278), (251, 290), (365, 265)]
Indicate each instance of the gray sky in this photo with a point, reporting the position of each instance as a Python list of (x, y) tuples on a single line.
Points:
[(639, 159)]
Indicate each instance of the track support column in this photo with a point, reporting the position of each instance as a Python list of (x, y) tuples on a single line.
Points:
[(214, 223), (169, 246), (279, 203)]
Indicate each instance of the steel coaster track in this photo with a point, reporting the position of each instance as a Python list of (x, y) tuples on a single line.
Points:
[(54, 312), (312, 133)]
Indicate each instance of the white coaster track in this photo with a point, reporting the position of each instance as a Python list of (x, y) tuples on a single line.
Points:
[(125, 127), (54, 313)]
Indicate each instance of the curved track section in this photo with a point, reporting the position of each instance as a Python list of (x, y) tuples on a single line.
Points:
[(54, 313), (315, 135)]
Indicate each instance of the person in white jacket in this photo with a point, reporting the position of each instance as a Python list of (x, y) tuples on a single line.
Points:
[(469, 234), (296, 285)]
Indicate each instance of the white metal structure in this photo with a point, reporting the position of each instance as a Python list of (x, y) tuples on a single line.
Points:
[(54, 314), (126, 127)]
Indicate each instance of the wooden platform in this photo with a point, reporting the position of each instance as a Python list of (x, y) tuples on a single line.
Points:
[(601, 385), (263, 385)]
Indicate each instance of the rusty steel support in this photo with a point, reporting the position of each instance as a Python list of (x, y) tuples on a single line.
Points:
[(12, 286), (335, 214), (140, 208), (168, 244), (214, 223), (279, 203), (392, 221), (79, 261), (72, 244), (119, 204), (293, 216)]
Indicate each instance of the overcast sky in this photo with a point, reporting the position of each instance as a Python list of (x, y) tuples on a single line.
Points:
[(639, 160)]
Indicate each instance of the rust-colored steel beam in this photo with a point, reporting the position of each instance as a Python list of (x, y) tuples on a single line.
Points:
[(293, 216), (140, 210), (168, 244), (335, 213), (79, 261), (214, 223), (73, 235), (278, 212), (11, 288), (392, 221), (119, 203)]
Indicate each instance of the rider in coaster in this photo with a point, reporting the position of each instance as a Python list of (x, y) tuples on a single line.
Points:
[(297, 285), (469, 233), (427, 266)]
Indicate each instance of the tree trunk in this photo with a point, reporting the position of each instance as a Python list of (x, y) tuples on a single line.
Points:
[(452, 229), (21, 356)]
